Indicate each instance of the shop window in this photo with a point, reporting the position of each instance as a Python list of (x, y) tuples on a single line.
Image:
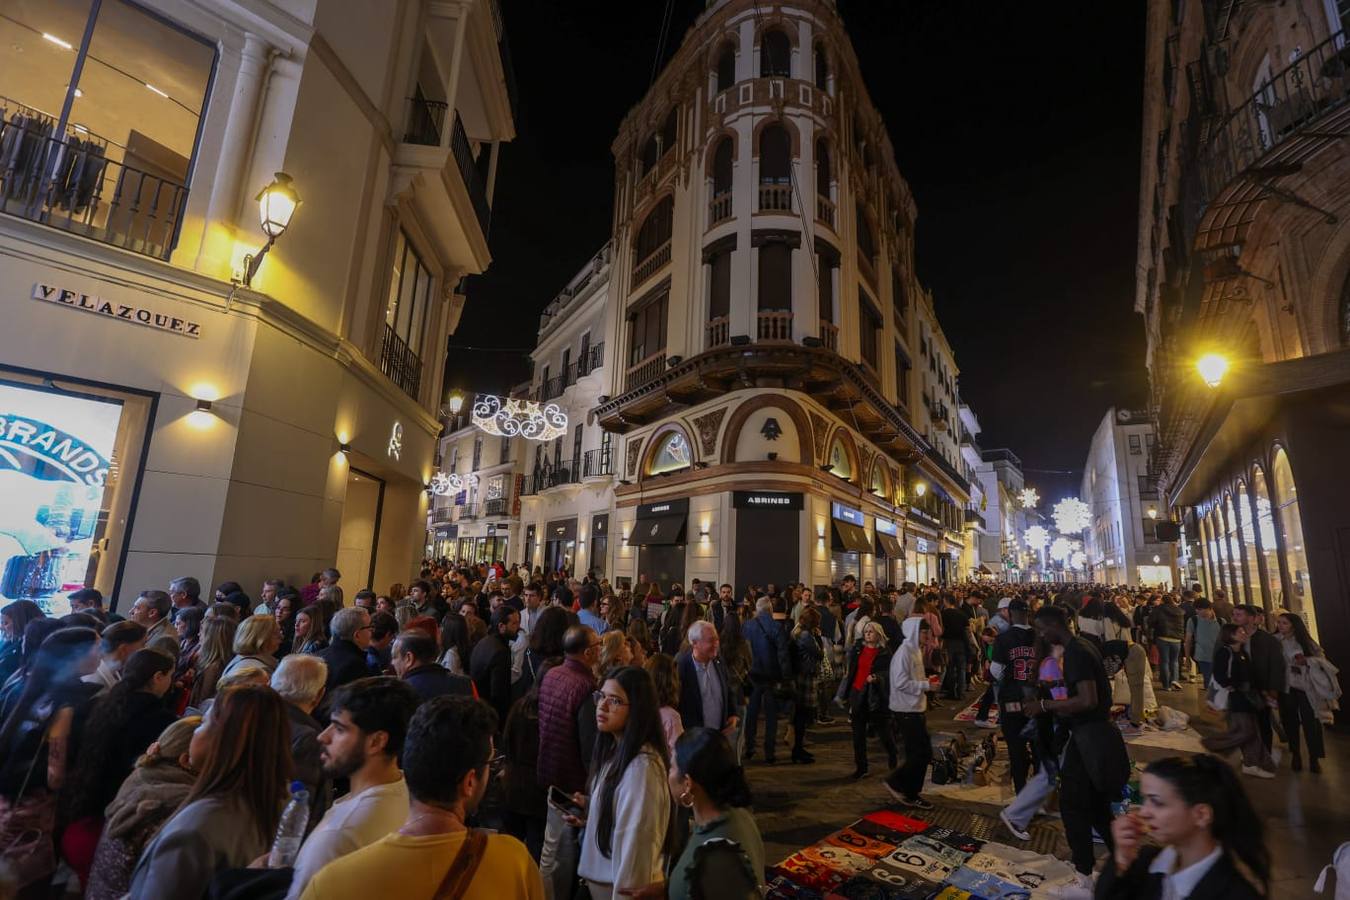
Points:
[(69, 459), (1265, 536), (1232, 549), (405, 316), (1246, 528), (672, 454), (839, 460), (726, 68), (775, 276), (1291, 529), (775, 55)]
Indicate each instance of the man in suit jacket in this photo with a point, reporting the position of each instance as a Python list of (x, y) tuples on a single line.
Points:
[(1268, 669), (705, 684)]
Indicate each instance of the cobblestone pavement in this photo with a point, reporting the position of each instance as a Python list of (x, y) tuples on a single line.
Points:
[(1307, 816)]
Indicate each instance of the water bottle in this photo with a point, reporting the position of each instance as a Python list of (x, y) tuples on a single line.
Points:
[(291, 830)]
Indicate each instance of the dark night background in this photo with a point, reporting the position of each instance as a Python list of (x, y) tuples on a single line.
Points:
[(1016, 126)]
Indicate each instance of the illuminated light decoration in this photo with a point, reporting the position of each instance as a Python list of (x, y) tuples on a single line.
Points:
[(1060, 549), (1212, 367), (443, 484), (1078, 560), (396, 441), (1072, 515), (1029, 498), (1037, 537), (519, 418)]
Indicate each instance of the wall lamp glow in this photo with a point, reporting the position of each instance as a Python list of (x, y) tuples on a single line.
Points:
[(920, 488), (1153, 512), (276, 205), (703, 534), (201, 417)]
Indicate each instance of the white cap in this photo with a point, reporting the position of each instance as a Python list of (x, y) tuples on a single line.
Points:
[(1004, 603)]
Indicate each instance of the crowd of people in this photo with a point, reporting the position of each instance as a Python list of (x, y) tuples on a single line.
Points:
[(601, 730)]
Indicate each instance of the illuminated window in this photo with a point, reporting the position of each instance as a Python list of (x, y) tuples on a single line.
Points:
[(1291, 529), (839, 462), (1265, 534), (672, 454)]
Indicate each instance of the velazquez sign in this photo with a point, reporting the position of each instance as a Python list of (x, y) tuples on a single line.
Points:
[(139, 315)]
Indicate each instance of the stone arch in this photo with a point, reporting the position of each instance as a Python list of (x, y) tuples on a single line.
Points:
[(887, 478), (794, 136), (845, 438), (710, 148), (655, 440), (731, 434)]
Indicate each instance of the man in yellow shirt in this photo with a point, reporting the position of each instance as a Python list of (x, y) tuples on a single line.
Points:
[(445, 764)]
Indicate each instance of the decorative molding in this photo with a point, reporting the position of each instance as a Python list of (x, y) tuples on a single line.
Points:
[(707, 427), (774, 401), (820, 429), (634, 455)]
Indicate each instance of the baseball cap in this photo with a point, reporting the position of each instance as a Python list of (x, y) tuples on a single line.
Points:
[(1005, 603)]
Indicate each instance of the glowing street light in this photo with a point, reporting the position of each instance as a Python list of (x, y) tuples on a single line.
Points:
[(456, 403), (276, 205), (1212, 367), (920, 488), (1152, 511)]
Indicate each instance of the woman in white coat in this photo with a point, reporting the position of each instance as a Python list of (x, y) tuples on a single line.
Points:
[(909, 705)]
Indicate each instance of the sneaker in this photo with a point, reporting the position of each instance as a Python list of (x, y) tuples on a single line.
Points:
[(1176, 686), (1020, 833), (985, 723), (916, 802), (896, 795), (1257, 772)]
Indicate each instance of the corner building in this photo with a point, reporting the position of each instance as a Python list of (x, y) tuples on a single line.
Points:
[(162, 419), (782, 401)]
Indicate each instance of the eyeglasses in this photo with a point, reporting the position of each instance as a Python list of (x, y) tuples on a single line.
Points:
[(608, 700)]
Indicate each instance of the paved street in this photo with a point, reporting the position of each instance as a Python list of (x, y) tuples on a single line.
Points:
[(795, 805)]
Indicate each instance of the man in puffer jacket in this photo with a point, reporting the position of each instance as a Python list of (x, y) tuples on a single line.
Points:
[(908, 703), (1168, 624)]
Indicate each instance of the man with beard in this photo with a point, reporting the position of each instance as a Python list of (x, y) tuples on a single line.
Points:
[(362, 743)]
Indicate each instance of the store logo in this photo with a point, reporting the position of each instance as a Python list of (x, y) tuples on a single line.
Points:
[(768, 501), (140, 315), (50, 454), (664, 507), (655, 528)]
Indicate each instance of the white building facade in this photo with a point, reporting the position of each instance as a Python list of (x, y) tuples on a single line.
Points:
[(162, 419), (1121, 544)]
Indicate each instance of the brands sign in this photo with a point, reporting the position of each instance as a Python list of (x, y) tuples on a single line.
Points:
[(134, 313)]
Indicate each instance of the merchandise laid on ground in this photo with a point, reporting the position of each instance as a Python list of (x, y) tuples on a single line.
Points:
[(889, 855)]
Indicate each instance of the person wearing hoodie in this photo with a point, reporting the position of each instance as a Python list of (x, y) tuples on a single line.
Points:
[(909, 703)]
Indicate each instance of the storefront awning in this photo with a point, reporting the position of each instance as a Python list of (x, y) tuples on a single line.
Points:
[(984, 570), (889, 547), (849, 537), (658, 530)]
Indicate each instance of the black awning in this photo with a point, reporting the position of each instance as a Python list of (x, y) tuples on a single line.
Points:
[(888, 546), (658, 530), (849, 537)]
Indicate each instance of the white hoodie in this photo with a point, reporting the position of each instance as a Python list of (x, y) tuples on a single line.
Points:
[(909, 684)]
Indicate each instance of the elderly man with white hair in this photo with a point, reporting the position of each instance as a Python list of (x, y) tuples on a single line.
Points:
[(706, 685), (299, 680), (346, 654)]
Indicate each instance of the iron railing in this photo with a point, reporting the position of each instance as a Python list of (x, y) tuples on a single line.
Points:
[(553, 387), (426, 118), (69, 183), (498, 506), (551, 475), (400, 363), (468, 170), (597, 462)]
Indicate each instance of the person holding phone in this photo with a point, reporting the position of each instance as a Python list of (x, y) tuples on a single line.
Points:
[(627, 808), (1209, 841)]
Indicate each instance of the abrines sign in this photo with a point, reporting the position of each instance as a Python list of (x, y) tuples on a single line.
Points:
[(139, 315), (765, 500)]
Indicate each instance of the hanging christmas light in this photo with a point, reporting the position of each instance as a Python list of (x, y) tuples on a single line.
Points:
[(1060, 549), (443, 484), (1071, 515), (518, 418), (1029, 498), (1036, 537), (1078, 560)]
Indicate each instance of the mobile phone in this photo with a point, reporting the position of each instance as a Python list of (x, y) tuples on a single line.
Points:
[(561, 800)]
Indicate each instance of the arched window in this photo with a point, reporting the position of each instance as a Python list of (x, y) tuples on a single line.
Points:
[(839, 461), (671, 455), (822, 68), (775, 155), (1216, 552), (670, 131), (722, 167), (878, 482), (650, 153), (1291, 529), (1233, 548), (775, 276), (655, 230), (726, 68), (823, 176), (1265, 535), (867, 242), (1248, 531), (775, 54)]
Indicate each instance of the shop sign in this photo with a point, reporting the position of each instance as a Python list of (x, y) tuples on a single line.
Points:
[(47, 453), (886, 526), (447, 532), (921, 545), (492, 529), (847, 514), (139, 315), (765, 500), (663, 508)]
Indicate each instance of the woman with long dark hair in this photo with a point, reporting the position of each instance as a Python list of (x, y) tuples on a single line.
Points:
[(629, 798), (1210, 844), (230, 816), (310, 634), (455, 643), (34, 633), (122, 722), (1296, 707), (14, 618), (1233, 671)]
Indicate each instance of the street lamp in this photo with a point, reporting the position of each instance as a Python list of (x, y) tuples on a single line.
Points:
[(456, 403), (276, 205), (1152, 512), (1212, 367), (920, 488)]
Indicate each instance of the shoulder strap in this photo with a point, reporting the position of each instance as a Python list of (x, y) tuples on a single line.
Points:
[(465, 866)]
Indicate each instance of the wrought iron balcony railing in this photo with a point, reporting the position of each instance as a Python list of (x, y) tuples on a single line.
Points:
[(426, 118), (598, 462), (397, 360), (468, 170)]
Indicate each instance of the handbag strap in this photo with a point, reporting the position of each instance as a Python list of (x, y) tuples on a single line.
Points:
[(465, 866), (23, 788)]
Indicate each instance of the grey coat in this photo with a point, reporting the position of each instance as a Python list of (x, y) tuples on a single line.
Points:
[(201, 839)]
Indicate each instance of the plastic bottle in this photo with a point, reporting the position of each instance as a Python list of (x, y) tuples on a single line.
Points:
[(291, 829)]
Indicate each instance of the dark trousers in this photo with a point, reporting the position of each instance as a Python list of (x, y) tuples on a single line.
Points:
[(1263, 726), (528, 829), (1083, 808), (1295, 711), (986, 701), (1021, 753), (907, 780), (954, 679), (761, 695), (802, 716), (881, 724)]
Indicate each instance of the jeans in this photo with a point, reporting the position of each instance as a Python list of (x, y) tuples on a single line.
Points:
[(1296, 710), (1206, 668), (558, 857), (1030, 799), (954, 680), (1169, 659), (907, 780), (761, 694)]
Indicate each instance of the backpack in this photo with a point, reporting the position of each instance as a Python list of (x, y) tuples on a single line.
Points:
[(1340, 864)]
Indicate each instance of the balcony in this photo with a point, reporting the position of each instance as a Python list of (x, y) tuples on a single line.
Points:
[(775, 325), (718, 331), (1304, 108), (719, 208), (397, 361), (829, 335), (70, 184), (426, 118), (825, 211), (597, 463), (648, 267), (554, 387), (436, 173), (645, 371), (551, 475), (775, 198), (497, 507), (468, 170)]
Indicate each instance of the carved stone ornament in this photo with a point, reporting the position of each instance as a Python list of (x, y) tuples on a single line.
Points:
[(634, 452), (771, 430), (820, 429), (707, 426)]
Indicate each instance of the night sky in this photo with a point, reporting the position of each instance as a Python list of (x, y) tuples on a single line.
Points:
[(1016, 126)]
